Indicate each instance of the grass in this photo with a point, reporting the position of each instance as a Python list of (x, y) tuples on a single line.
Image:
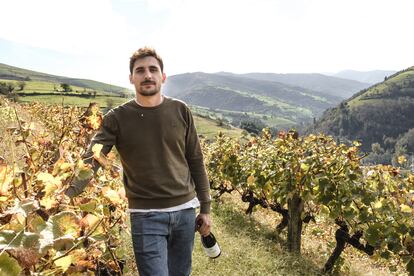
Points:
[(379, 88), (250, 247), (44, 86), (73, 100), (209, 128)]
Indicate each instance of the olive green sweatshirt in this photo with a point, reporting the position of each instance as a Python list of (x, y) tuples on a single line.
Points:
[(160, 155)]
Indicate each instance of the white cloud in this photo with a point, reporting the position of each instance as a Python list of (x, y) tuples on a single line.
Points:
[(75, 27)]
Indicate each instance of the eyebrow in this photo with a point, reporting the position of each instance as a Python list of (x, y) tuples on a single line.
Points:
[(150, 67)]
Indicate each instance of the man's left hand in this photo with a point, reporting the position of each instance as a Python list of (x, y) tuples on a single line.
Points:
[(203, 224)]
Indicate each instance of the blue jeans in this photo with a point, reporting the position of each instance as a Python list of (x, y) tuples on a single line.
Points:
[(163, 242)]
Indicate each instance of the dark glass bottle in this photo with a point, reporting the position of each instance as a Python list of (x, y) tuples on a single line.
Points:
[(211, 246)]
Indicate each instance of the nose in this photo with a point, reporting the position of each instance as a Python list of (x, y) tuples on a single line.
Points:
[(148, 74)]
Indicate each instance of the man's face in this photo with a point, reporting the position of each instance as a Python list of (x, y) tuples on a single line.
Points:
[(147, 76)]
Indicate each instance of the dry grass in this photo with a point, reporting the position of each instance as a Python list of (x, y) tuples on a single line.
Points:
[(250, 247)]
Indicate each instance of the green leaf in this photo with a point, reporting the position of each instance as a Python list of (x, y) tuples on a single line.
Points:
[(410, 267), (385, 254), (37, 224), (352, 176), (84, 174), (64, 223), (63, 243), (9, 266), (89, 206), (9, 239), (30, 240), (372, 235)]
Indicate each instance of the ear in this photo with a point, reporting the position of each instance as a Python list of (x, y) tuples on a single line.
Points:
[(130, 79), (164, 77)]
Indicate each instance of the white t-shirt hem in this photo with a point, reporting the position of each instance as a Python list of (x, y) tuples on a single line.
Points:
[(194, 203)]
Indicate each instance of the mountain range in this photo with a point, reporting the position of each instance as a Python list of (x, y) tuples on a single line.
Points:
[(283, 100)]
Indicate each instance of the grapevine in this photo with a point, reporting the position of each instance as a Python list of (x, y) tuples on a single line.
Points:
[(301, 178), (40, 234)]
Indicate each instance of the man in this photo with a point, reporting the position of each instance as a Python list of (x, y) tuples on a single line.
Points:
[(163, 170)]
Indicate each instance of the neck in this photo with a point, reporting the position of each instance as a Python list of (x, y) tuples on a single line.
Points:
[(149, 101)]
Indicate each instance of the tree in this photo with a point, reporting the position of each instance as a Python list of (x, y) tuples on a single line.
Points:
[(3, 88), (21, 85), (66, 87), (7, 88), (252, 125)]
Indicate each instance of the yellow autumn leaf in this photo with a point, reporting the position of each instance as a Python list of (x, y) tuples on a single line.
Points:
[(402, 159), (111, 195), (89, 221), (100, 157), (267, 188), (356, 143), (96, 149), (6, 178), (324, 210), (405, 208), (52, 184), (48, 202), (304, 167), (64, 262), (48, 178), (250, 180), (61, 166), (378, 204)]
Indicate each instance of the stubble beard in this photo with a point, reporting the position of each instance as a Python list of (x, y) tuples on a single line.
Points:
[(148, 93)]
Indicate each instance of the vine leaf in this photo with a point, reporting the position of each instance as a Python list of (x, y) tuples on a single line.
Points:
[(410, 267), (64, 223), (9, 266), (64, 262)]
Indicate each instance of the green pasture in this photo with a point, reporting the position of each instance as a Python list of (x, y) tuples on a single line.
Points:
[(209, 128), (73, 100)]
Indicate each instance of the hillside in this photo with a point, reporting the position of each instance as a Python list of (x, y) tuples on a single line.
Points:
[(381, 114), (8, 72), (327, 85), (235, 96)]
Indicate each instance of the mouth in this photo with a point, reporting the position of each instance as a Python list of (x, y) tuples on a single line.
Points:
[(147, 83)]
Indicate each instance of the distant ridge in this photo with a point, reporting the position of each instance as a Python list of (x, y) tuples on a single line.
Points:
[(371, 77), (328, 85)]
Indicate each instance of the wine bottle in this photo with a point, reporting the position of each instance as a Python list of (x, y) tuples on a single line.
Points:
[(210, 246)]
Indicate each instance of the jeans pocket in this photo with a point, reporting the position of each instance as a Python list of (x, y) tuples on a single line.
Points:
[(141, 214)]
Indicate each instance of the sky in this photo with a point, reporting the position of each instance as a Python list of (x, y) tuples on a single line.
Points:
[(94, 39)]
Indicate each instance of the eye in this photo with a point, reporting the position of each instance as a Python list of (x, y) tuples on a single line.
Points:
[(154, 69)]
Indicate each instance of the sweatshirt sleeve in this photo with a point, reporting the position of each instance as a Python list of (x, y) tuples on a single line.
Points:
[(195, 162), (106, 136)]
